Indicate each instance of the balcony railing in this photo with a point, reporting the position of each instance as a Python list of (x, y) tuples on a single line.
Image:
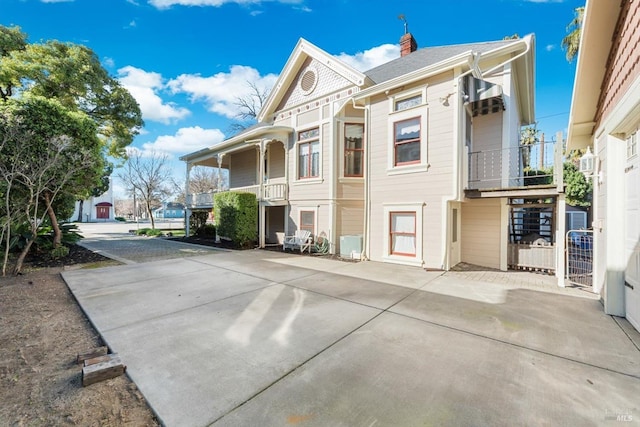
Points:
[(270, 192), (516, 167)]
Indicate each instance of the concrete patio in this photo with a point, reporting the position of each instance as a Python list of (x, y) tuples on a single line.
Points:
[(270, 339)]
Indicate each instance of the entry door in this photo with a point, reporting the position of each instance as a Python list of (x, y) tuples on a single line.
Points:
[(632, 236), (454, 233), (102, 212)]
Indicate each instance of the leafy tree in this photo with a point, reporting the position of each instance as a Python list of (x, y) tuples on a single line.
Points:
[(44, 147), (71, 75), (578, 189), (571, 42), (147, 177)]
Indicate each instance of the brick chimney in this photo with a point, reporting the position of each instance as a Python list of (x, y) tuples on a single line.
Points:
[(407, 44)]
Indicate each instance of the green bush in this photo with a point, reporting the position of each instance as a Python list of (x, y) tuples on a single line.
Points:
[(59, 252), (143, 231), (198, 219), (207, 230), (236, 217), (121, 219), (154, 232)]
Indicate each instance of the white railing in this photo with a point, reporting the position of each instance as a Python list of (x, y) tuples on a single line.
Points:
[(200, 200), (275, 192), (271, 192)]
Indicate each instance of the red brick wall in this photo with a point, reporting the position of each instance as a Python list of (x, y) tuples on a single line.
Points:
[(623, 64)]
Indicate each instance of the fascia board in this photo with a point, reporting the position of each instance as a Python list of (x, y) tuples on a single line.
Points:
[(462, 59), (236, 140), (598, 24)]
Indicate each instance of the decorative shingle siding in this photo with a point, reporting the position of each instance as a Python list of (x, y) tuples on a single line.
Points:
[(623, 64), (328, 81)]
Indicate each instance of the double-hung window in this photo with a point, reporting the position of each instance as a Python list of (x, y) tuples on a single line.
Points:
[(353, 149), (309, 153), (406, 142), (402, 230), (407, 124), (632, 145)]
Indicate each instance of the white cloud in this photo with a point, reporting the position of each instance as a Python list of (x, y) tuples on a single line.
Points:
[(222, 90), (144, 87), (56, 1), (371, 58), (165, 4), (186, 140), (550, 47), (108, 62)]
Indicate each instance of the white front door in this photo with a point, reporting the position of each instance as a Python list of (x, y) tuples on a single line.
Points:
[(632, 238)]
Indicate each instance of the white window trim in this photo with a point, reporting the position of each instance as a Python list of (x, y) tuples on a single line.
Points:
[(302, 208), (418, 208), (342, 122), (314, 180), (421, 111), (632, 140)]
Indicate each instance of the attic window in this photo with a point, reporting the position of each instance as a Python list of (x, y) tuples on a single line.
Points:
[(308, 80)]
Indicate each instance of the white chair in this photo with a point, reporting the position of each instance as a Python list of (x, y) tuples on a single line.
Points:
[(300, 240)]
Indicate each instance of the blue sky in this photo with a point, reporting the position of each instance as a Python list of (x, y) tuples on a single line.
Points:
[(186, 61)]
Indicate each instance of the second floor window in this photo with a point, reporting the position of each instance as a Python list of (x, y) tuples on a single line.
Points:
[(407, 142), (353, 149), (309, 153)]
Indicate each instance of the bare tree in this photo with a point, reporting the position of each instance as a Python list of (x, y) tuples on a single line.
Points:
[(204, 180), (249, 107), (148, 177)]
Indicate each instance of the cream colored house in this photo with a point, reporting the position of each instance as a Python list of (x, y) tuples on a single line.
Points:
[(417, 161), (605, 116)]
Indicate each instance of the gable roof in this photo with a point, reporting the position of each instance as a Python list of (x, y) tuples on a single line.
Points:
[(425, 57), (470, 57), (301, 52)]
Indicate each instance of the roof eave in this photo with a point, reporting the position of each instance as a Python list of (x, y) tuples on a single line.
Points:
[(598, 24)]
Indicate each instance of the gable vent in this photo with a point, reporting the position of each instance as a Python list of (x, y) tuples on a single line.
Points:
[(308, 81)]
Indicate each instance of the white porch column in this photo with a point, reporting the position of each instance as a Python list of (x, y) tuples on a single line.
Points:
[(561, 209), (262, 227), (188, 202)]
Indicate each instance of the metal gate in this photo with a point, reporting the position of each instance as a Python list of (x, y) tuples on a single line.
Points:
[(579, 244)]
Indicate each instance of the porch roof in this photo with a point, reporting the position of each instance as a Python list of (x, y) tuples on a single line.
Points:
[(253, 133)]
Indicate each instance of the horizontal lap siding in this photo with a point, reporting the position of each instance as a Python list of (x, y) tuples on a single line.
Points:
[(276, 160), (429, 187), (243, 169), (481, 232)]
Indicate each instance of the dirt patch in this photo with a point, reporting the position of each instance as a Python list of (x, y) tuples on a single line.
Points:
[(42, 329)]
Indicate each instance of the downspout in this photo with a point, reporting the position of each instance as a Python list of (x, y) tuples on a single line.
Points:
[(364, 256)]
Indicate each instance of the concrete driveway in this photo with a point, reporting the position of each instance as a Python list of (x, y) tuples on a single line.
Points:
[(263, 338)]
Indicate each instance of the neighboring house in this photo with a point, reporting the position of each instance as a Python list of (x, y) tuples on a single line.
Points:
[(605, 116), (416, 162), (169, 210), (96, 209)]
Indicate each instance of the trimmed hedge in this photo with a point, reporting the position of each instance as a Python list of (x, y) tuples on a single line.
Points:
[(236, 217)]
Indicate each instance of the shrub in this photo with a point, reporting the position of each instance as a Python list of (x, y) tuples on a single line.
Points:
[(236, 217), (143, 231), (154, 232), (59, 252), (121, 219), (207, 230), (198, 219)]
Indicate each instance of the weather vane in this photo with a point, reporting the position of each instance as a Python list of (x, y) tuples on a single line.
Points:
[(406, 25)]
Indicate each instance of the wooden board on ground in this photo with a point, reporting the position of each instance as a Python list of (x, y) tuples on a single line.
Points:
[(103, 370), (100, 351)]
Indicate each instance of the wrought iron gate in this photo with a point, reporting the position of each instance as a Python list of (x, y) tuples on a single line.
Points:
[(579, 244)]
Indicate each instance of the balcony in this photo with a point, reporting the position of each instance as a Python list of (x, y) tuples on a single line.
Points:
[(534, 168), (264, 193)]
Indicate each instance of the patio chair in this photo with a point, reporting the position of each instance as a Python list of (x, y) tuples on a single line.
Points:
[(300, 240)]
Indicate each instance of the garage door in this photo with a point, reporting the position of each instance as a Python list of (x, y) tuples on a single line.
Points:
[(632, 232)]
